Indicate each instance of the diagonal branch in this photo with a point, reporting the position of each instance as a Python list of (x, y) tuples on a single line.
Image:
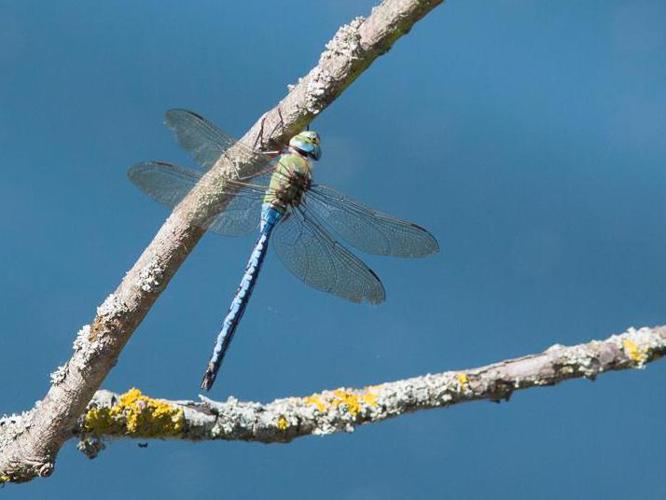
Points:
[(32, 452), (133, 415)]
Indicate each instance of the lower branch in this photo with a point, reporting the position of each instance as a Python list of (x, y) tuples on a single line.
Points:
[(134, 415)]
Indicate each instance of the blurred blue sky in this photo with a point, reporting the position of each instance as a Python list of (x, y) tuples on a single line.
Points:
[(528, 136)]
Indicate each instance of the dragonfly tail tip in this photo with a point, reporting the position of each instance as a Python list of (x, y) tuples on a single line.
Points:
[(208, 379)]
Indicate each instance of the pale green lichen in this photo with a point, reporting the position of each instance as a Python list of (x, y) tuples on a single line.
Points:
[(580, 359), (135, 415)]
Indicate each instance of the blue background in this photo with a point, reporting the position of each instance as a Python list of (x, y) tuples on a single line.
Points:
[(529, 136)]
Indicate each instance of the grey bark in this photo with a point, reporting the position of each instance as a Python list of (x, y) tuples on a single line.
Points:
[(29, 449), (342, 410)]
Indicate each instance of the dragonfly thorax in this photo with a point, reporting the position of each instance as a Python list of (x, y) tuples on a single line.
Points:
[(290, 194), (290, 180)]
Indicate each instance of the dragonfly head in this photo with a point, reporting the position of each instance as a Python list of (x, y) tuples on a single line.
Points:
[(307, 143)]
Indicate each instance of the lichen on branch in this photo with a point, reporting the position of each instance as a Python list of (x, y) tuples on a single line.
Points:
[(344, 409), (134, 415)]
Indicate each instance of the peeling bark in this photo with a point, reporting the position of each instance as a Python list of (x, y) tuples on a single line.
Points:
[(29, 450)]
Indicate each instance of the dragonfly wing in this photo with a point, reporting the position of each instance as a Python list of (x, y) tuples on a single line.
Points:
[(163, 182), (367, 229), (204, 140), (168, 184), (241, 215), (198, 136), (309, 252)]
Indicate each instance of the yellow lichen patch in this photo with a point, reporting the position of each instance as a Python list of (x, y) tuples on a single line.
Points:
[(135, 415), (282, 423), (4, 479), (316, 401), (637, 355), (463, 380), (369, 398), (352, 401), (349, 399)]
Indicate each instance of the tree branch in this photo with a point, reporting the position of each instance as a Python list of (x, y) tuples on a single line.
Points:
[(133, 415), (32, 451)]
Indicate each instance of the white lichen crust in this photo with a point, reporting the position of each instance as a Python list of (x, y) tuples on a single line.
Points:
[(342, 410)]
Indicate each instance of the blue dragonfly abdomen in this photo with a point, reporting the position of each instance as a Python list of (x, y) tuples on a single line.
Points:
[(269, 217)]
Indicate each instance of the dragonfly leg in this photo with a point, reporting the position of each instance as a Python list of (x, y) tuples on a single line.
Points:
[(279, 110), (259, 140)]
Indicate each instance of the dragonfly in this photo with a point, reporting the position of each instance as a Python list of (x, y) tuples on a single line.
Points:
[(303, 220)]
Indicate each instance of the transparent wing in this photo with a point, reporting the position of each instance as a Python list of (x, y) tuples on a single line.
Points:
[(203, 139), (168, 184), (308, 251), (367, 229), (241, 216), (163, 182)]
